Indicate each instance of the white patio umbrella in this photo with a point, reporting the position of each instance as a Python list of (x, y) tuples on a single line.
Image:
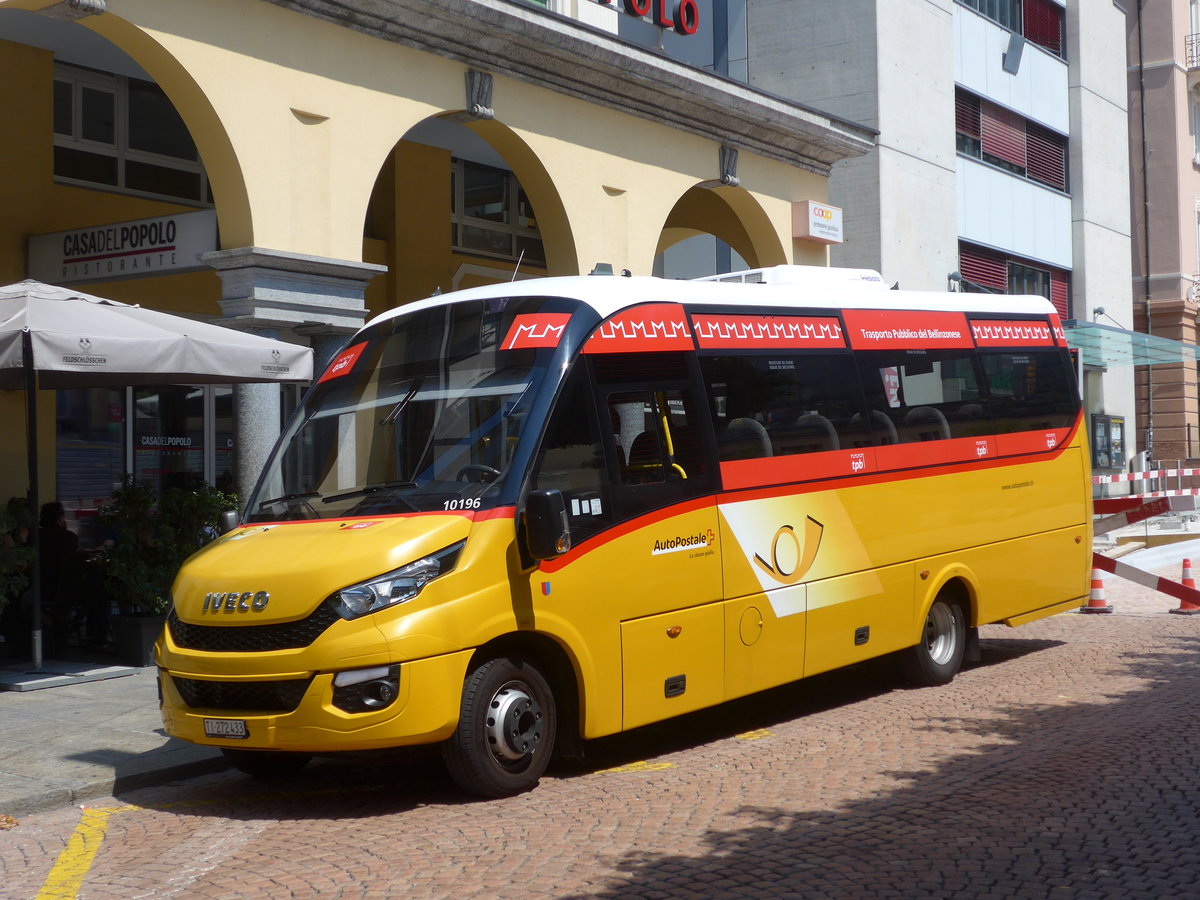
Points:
[(54, 337)]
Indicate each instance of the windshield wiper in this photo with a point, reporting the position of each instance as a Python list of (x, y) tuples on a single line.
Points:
[(390, 486), (291, 499), (399, 407), (289, 502)]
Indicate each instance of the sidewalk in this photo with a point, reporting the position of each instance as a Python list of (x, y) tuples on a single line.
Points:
[(97, 733)]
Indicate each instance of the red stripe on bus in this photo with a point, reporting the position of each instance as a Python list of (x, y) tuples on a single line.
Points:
[(533, 330), (550, 566), (755, 479), (482, 515), (657, 327), (1012, 333), (903, 329), (730, 331)]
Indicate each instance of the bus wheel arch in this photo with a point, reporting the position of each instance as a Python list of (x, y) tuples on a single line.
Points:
[(519, 703), (946, 632)]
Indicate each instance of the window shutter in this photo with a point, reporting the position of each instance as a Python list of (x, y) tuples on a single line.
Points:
[(1043, 24), (983, 267), (1047, 156), (1003, 134), (1058, 291), (966, 113)]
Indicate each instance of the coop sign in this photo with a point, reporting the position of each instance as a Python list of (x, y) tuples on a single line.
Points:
[(682, 16), (121, 250)]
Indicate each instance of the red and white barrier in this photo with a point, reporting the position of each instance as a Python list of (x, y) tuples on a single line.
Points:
[(1129, 517), (1144, 476), (1189, 597)]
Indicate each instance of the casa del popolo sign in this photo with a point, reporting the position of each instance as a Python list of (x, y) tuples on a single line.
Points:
[(122, 250), (681, 15)]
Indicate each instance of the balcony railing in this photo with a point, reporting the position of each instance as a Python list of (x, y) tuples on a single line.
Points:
[(1191, 50)]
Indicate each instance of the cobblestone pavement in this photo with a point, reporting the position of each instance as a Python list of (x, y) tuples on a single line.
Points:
[(1062, 765)]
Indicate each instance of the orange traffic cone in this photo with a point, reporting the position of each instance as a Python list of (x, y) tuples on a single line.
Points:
[(1096, 602), (1187, 607)]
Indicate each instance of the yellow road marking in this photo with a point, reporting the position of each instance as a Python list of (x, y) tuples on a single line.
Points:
[(73, 863), (756, 735), (640, 766)]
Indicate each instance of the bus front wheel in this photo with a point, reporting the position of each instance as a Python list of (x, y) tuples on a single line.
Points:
[(506, 730), (938, 656)]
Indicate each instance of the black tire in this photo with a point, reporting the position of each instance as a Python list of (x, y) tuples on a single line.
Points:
[(506, 730), (938, 656), (266, 763)]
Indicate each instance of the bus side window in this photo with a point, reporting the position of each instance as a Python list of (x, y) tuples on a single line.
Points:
[(923, 395), (654, 437), (1029, 390), (775, 404), (571, 459)]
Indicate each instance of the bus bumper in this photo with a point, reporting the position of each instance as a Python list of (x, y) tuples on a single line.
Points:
[(425, 711)]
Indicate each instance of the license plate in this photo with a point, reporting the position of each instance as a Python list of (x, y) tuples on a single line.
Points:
[(226, 728)]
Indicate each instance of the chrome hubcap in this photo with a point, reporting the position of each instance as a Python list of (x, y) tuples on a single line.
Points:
[(940, 636), (514, 723)]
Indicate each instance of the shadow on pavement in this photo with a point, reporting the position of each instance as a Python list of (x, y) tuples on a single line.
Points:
[(385, 782), (1080, 799)]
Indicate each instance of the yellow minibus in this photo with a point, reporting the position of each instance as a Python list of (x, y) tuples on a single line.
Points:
[(514, 518)]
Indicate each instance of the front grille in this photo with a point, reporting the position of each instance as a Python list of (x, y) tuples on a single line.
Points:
[(251, 638), (254, 696)]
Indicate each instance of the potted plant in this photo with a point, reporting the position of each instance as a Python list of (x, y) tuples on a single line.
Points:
[(152, 537)]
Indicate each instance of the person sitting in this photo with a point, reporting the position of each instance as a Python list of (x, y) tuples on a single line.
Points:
[(57, 546)]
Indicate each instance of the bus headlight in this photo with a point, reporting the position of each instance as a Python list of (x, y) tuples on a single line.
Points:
[(395, 587)]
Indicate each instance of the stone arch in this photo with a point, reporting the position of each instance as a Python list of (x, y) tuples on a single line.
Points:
[(213, 143), (553, 223), (408, 205), (731, 214)]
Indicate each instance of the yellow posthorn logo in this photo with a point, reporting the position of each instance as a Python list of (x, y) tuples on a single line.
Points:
[(805, 553)]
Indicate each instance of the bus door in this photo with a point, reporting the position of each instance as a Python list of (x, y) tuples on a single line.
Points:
[(643, 579)]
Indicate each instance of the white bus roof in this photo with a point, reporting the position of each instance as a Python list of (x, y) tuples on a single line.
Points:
[(810, 287)]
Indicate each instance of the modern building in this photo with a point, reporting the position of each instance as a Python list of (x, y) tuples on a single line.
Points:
[(1001, 161), (290, 167), (1164, 129)]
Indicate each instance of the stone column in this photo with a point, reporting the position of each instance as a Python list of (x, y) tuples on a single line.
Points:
[(291, 297)]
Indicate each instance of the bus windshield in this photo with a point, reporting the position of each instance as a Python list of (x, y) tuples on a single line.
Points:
[(421, 413)]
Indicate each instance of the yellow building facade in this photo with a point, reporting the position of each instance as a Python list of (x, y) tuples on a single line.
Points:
[(331, 160)]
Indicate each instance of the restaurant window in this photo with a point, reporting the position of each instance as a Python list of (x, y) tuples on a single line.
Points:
[(164, 435), (123, 134), (168, 435), (491, 215), (89, 455)]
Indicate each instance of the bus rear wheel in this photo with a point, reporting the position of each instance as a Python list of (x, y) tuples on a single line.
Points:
[(938, 656), (506, 730)]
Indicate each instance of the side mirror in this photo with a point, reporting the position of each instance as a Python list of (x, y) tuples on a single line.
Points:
[(547, 533), (227, 521)]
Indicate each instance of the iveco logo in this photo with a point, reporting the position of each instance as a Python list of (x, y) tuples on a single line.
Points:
[(246, 601)]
